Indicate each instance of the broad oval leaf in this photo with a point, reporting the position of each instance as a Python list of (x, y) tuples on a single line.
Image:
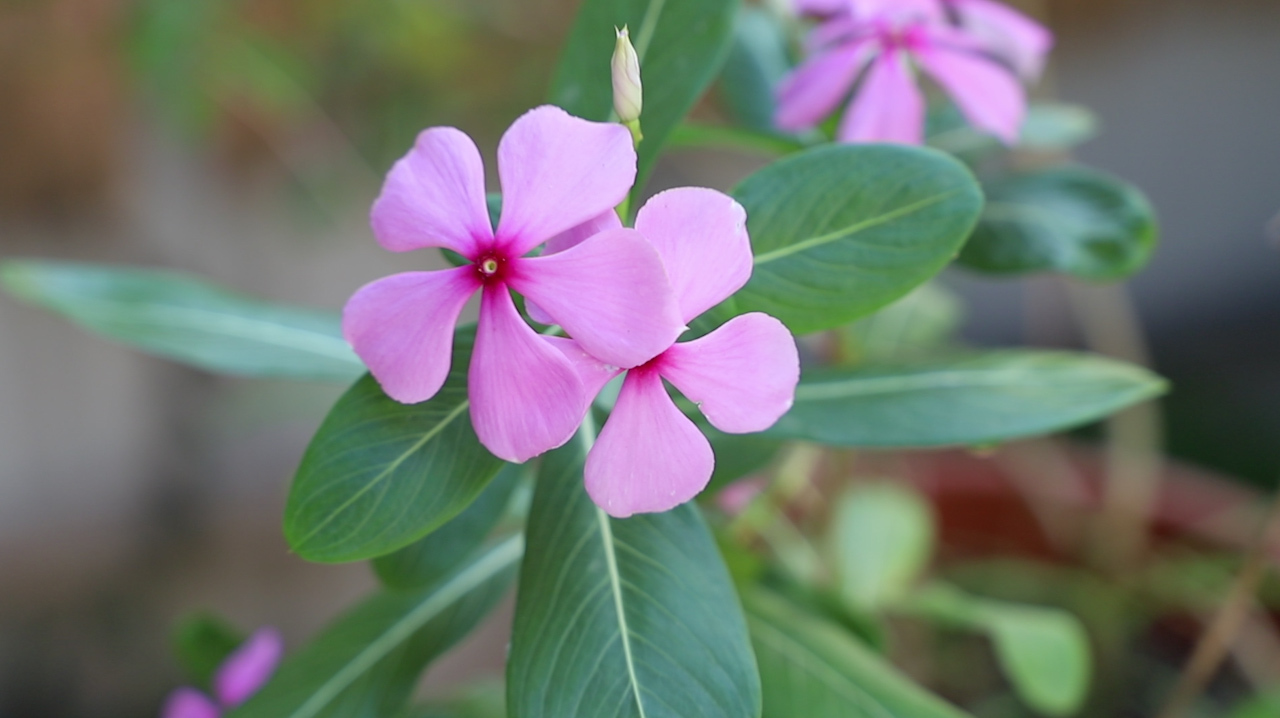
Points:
[(366, 664), (815, 669), (632, 618), (681, 45), (843, 230), (970, 400), (379, 475), (1066, 219), (882, 539), (189, 320)]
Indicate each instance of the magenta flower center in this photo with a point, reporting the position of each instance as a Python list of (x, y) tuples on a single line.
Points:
[(490, 266)]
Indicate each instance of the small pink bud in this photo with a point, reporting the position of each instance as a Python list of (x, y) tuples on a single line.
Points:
[(626, 79)]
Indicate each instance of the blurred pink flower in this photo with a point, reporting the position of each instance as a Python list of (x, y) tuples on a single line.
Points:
[(737, 496), (609, 291), (1006, 33), (237, 679), (649, 456)]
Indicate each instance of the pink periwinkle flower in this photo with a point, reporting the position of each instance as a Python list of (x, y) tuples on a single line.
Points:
[(649, 456), (890, 39), (237, 679), (609, 291)]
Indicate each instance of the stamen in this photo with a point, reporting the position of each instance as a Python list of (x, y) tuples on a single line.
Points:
[(489, 266)]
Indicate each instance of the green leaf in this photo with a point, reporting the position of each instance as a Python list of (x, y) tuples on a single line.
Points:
[(756, 64), (202, 641), (914, 326), (188, 320), (1067, 219), (813, 668), (1049, 127), (969, 400), (379, 475), (623, 617), (681, 45), (843, 230), (366, 664), (424, 561), (737, 455), (1265, 705), (882, 539)]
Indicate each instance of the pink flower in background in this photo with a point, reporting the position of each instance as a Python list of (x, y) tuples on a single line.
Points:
[(609, 291), (649, 456), (237, 679), (889, 39)]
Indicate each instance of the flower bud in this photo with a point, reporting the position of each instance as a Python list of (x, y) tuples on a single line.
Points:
[(626, 80)]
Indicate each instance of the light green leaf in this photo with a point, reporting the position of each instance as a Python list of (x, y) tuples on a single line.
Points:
[(189, 320), (681, 45), (1066, 219), (969, 400), (843, 230), (914, 326), (813, 668), (882, 539), (379, 475), (366, 664), (1266, 705), (622, 618), (1049, 127)]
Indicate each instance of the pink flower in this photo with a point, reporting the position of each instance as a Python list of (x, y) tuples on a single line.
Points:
[(238, 678), (649, 456), (892, 38), (609, 292), (1006, 33)]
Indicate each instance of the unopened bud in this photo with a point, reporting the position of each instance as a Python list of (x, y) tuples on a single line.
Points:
[(626, 82)]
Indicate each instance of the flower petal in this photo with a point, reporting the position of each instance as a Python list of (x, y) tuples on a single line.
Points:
[(889, 106), (1007, 33), (434, 197), (649, 457), (526, 397), (811, 91), (189, 703), (820, 7), (701, 235), (402, 328), (572, 237), (989, 95), (592, 372), (742, 376), (557, 172), (248, 667), (610, 293)]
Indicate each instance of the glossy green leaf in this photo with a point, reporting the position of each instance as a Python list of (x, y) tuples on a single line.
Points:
[(756, 64), (969, 400), (843, 230), (623, 618), (1067, 219), (882, 538), (366, 664), (424, 561), (202, 642), (813, 668), (179, 317), (681, 45), (379, 475)]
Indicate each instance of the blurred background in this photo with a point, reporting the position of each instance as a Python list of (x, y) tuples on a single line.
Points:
[(244, 142)]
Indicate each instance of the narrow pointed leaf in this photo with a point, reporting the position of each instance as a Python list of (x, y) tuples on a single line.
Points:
[(970, 400), (189, 320), (632, 618), (379, 475)]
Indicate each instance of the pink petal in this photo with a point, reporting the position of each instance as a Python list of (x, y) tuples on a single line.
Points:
[(701, 235), (649, 457), (836, 30), (592, 372), (571, 238), (434, 197), (736, 497), (897, 10), (248, 667), (402, 328), (189, 703), (889, 106), (742, 376), (610, 293), (1007, 33), (820, 7), (988, 94), (526, 397), (557, 172), (811, 91)]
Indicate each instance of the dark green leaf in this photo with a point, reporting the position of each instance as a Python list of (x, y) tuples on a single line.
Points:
[(188, 320), (1067, 219), (623, 618), (681, 45), (366, 664), (756, 63), (970, 400), (202, 642), (426, 560), (380, 475), (842, 230), (738, 455), (813, 668)]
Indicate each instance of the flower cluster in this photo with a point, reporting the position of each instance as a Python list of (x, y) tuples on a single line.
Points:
[(237, 679), (976, 51), (621, 296)]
